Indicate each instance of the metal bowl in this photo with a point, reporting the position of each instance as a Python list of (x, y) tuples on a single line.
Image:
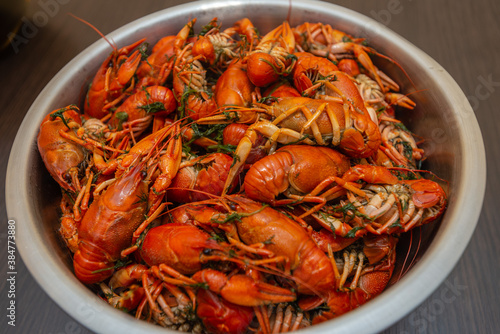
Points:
[(443, 117)]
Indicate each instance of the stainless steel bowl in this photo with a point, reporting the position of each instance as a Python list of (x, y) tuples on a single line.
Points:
[(443, 117)]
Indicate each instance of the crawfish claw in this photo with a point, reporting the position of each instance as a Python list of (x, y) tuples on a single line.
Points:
[(243, 290)]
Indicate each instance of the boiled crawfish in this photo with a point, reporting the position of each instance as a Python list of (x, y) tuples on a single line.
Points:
[(229, 183), (101, 244), (61, 156), (110, 83), (303, 119)]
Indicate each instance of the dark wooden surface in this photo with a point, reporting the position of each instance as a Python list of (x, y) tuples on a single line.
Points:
[(463, 36)]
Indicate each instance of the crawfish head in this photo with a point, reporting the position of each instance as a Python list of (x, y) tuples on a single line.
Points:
[(200, 178), (108, 225)]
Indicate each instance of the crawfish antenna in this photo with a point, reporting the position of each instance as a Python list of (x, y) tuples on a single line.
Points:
[(289, 11), (95, 29)]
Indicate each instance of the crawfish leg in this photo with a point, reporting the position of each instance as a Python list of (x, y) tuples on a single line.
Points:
[(263, 319), (169, 165), (242, 152), (269, 130), (69, 227), (311, 120)]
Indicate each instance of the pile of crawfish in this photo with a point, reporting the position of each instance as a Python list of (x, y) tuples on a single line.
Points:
[(226, 182)]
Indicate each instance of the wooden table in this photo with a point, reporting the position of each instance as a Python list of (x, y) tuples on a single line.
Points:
[(463, 36)]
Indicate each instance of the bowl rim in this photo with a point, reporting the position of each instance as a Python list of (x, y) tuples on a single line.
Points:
[(375, 316)]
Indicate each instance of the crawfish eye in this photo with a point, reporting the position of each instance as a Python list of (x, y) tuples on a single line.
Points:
[(207, 251), (144, 174), (232, 206)]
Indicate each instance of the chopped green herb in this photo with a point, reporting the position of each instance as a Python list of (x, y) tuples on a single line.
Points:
[(143, 50), (216, 237), (235, 216), (118, 264), (396, 224), (346, 39), (122, 117), (222, 148), (352, 233), (142, 198), (269, 241), (153, 107), (60, 113)]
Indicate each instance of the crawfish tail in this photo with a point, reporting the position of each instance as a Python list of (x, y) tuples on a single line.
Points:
[(91, 263)]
